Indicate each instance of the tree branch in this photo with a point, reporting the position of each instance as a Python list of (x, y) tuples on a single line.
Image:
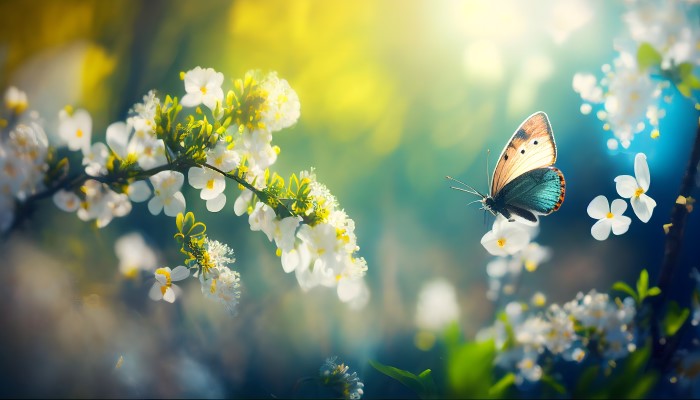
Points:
[(664, 348)]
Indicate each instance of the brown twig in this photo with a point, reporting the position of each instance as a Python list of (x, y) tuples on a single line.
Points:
[(663, 349)]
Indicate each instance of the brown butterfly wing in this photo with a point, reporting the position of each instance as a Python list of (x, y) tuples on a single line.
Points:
[(531, 146)]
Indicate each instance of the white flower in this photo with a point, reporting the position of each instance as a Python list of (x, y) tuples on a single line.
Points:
[(102, 204), (505, 238), (262, 219), (95, 159), (118, 138), (211, 183), (437, 306), (533, 255), (586, 86), (134, 254), (203, 86), (164, 288), (222, 158), (138, 191), (283, 107), (528, 369), (242, 203), (75, 129), (225, 288), (338, 377), (66, 201), (16, 100), (635, 188), (166, 193), (284, 232), (561, 334), (609, 217), (353, 291)]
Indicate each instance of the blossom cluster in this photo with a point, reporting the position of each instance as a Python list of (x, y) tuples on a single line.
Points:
[(206, 259), (337, 376), (224, 135), (610, 216), (592, 324), (131, 147), (511, 242), (320, 252), (24, 149), (659, 50)]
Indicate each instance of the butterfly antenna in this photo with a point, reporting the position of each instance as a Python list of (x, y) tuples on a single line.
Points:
[(471, 189)]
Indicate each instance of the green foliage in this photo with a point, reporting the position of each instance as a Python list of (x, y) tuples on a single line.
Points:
[(686, 82), (469, 365), (643, 290), (500, 389), (188, 229), (680, 75), (648, 57), (423, 383), (629, 379), (674, 318)]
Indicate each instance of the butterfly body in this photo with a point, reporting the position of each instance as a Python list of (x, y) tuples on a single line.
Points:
[(525, 183)]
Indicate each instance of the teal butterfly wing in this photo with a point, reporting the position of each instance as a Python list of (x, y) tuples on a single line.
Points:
[(536, 192), (525, 183)]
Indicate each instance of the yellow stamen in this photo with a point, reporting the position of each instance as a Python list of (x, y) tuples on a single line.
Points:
[(79, 133), (203, 89), (530, 266), (638, 192), (210, 184), (501, 242), (610, 215)]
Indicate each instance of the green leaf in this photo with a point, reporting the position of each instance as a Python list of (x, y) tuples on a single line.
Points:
[(623, 287), (178, 221), (585, 385), (408, 379), (469, 368), (632, 380), (426, 378), (655, 291), (685, 90), (647, 57), (675, 318), (552, 383), (499, 389), (685, 70), (643, 284)]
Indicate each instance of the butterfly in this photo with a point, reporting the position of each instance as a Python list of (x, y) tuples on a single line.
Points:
[(525, 183)]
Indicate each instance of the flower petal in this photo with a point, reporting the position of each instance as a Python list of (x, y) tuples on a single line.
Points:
[(191, 99), (626, 186), (154, 293), (118, 138), (620, 224), (179, 273), (197, 177), (618, 207), (643, 207), (139, 191), (598, 207), (169, 295), (155, 205), (176, 205), (641, 171), (217, 203), (601, 229)]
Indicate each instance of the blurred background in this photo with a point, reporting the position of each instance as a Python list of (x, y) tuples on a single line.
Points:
[(394, 96)]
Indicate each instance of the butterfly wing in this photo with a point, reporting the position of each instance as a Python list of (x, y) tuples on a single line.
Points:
[(531, 146), (536, 192)]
